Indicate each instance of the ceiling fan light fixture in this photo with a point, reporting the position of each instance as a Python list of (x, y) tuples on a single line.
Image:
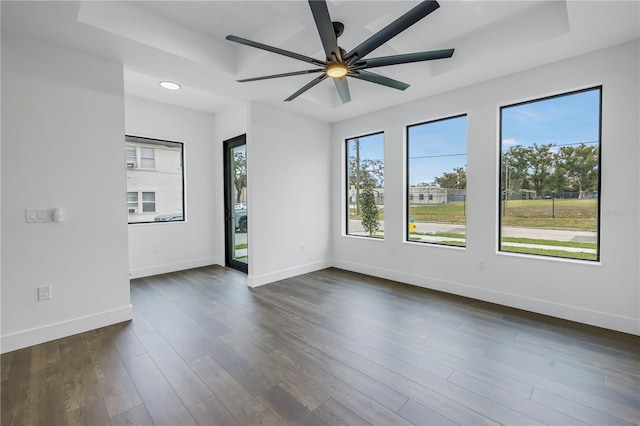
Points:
[(170, 85), (337, 70)]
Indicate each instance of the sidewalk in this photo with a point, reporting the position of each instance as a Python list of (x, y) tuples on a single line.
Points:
[(533, 233)]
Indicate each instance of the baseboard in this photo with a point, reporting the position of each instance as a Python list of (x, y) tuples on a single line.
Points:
[(571, 313), (35, 336), (174, 267), (258, 280)]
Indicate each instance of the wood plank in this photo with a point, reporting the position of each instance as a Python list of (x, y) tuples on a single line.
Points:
[(242, 405), (525, 406), (212, 412), (334, 413), (136, 416), (574, 409), (186, 384), (125, 340), (288, 379), (164, 406), (288, 408), (118, 391), (421, 415), (361, 404)]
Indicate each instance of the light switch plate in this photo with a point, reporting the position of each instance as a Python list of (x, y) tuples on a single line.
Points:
[(36, 215)]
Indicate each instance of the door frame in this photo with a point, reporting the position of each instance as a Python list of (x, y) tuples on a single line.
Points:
[(229, 225)]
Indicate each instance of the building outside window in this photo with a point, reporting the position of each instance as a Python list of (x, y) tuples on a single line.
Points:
[(155, 180), (437, 174), (550, 176)]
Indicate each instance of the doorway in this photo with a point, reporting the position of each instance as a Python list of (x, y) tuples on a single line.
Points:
[(235, 203)]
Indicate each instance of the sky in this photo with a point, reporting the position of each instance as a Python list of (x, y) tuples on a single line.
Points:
[(569, 119), (435, 148), (440, 146)]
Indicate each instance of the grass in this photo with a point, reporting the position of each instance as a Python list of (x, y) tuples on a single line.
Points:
[(552, 214), (440, 213), (557, 214), (549, 242), (241, 246), (441, 234), (527, 250), (555, 253)]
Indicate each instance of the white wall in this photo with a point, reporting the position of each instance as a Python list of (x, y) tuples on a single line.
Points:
[(289, 179), (604, 294), (62, 132), (156, 248)]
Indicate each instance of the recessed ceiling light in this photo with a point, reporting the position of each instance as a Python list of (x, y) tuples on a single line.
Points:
[(170, 85)]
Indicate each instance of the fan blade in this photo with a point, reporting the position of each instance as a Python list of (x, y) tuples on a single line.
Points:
[(392, 30), (343, 89), (306, 87), (404, 59), (379, 79), (275, 50), (286, 74), (325, 29)]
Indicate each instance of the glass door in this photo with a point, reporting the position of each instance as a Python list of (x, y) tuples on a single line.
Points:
[(235, 203)]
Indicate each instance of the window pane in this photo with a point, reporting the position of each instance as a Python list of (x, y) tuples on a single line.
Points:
[(550, 176), (147, 158), (132, 201), (156, 188), (365, 186), (437, 174)]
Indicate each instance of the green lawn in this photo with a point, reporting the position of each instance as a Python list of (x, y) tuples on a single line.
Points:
[(557, 214), (556, 253), (439, 213)]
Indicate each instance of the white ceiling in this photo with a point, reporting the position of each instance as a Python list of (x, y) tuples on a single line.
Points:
[(184, 41)]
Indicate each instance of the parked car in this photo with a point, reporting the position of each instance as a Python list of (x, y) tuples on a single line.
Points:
[(240, 217), (171, 217)]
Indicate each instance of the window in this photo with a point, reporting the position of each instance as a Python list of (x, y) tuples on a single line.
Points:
[(437, 174), (132, 157), (132, 202), (144, 202), (155, 180), (148, 202), (365, 186), (148, 158), (550, 176)]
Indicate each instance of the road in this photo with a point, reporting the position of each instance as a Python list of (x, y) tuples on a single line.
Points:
[(534, 233)]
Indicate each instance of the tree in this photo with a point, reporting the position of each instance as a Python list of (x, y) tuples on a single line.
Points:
[(361, 170), (516, 168), (239, 174), (579, 166), (542, 161), (453, 180), (370, 221)]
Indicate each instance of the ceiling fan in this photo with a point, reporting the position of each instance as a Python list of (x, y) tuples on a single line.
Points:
[(340, 64)]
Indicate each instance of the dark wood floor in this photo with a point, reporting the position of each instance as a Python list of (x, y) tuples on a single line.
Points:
[(330, 347)]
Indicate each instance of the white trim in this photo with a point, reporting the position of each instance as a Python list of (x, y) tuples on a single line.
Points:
[(47, 333), (568, 312), (174, 267), (259, 280)]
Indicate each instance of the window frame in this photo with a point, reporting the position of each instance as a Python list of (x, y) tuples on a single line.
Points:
[(346, 180), (181, 168), (409, 197), (499, 250)]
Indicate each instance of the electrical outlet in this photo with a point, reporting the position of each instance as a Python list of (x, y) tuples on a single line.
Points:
[(302, 248), (480, 265), (44, 292)]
